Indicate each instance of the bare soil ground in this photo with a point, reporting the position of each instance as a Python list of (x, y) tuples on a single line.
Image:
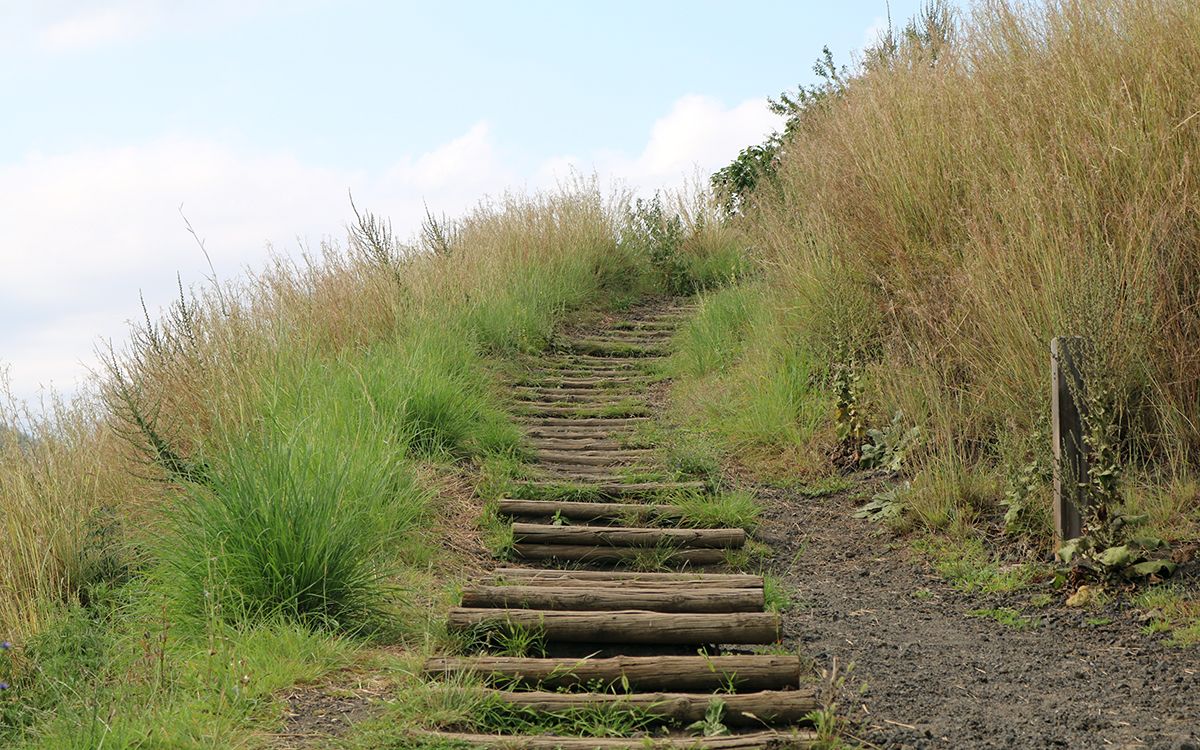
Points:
[(927, 674)]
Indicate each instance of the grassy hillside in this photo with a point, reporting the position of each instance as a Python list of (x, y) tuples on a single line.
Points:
[(264, 479), (276, 472), (980, 183)]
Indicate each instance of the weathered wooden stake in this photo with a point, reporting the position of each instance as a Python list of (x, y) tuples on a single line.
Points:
[(1070, 455)]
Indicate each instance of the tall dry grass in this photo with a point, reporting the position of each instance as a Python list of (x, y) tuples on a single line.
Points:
[(962, 202), (182, 398)]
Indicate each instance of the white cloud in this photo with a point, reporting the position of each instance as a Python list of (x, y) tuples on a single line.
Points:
[(93, 27), (82, 233), (698, 135), (874, 32), (71, 26)]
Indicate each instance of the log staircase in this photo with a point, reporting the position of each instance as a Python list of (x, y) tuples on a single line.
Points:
[(664, 644)]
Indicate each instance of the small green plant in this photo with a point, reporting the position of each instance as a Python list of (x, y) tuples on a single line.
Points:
[(507, 639), (890, 447), (736, 509), (776, 594), (849, 422), (1006, 616), (887, 505), (712, 725)]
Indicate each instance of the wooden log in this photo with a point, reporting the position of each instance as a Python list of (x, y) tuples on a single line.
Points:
[(592, 554), (571, 437), (585, 443), (537, 576), (629, 536), (627, 626), (602, 359), (597, 421), (763, 739), (594, 458), (584, 411), (764, 708), (602, 349), (593, 379), (583, 474), (618, 489), (596, 398), (585, 511), (681, 673), (582, 391), (671, 598)]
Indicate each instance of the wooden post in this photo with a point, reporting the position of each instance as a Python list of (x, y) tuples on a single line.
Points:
[(1070, 455)]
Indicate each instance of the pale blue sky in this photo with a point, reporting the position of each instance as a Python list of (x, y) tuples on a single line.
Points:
[(258, 115)]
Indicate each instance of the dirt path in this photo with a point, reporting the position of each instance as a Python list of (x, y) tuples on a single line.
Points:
[(937, 677)]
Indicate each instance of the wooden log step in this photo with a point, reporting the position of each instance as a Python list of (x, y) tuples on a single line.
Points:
[(594, 457), (656, 324), (560, 364), (586, 390), (615, 436), (586, 443), (592, 554), (680, 673), (763, 739), (627, 368), (670, 598), (637, 339), (634, 627), (573, 437), (758, 709), (616, 350), (558, 396), (586, 511), (618, 490), (589, 380), (584, 411), (597, 421), (579, 473), (579, 402), (629, 536), (555, 577)]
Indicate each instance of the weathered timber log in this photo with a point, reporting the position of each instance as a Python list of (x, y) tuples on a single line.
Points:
[(765, 739), (617, 360), (600, 348), (793, 740), (591, 379), (627, 626), (585, 443), (680, 673), (550, 397), (671, 598), (594, 458), (597, 421), (575, 401), (628, 536), (585, 511), (618, 489), (593, 554), (538, 576), (585, 474), (584, 411), (544, 394), (768, 707), (605, 437)]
